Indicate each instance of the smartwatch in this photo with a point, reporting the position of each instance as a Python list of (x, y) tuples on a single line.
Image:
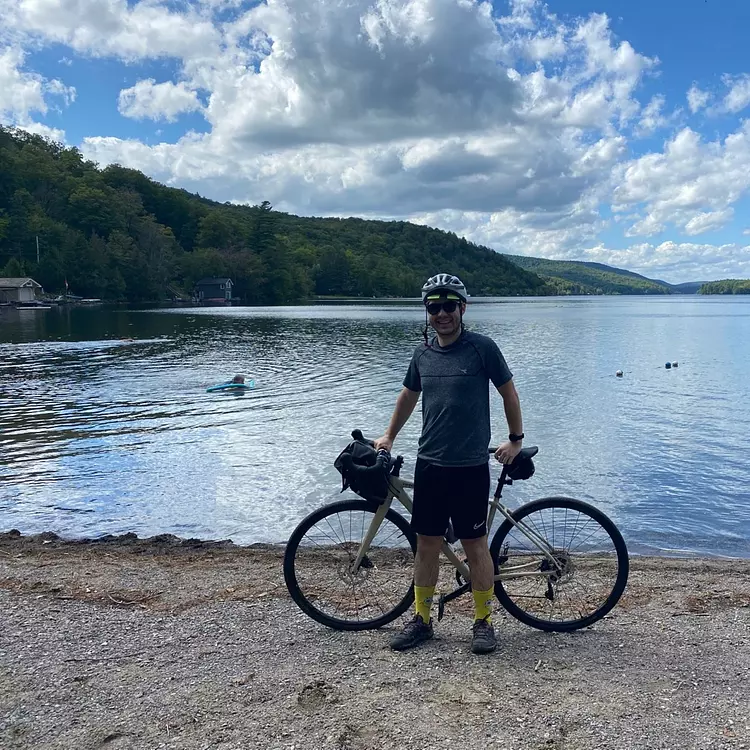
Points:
[(515, 438)]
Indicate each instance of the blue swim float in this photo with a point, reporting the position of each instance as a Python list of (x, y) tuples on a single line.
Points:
[(231, 387)]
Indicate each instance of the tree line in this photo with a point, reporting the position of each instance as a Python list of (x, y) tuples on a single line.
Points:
[(726, 286)]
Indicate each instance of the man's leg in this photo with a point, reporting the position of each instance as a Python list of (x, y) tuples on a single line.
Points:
[(480, 562), (469, 514), (429, 519), (426, 569), (483, 590), (482, 575)]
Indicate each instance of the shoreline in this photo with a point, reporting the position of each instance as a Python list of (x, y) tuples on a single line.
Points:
[(120, 643), (168, 541)]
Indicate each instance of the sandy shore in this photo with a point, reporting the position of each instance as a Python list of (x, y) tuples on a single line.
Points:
[(163, 643)]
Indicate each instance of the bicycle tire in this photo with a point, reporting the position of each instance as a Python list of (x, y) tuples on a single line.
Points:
[(305, 599), (502, 588)]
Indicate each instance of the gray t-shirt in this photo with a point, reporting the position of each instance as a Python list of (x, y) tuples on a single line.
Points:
[(454, 382)]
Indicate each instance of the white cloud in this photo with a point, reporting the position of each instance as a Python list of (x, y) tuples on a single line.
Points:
[(157, 101), (708, 221), (363, 72), (676, 262), (54, 134), (20, 92), (738, 96), (691, 175), (23, 93), (601, 54), (652, 117), (645, 227), (114, 27), (697, 99)]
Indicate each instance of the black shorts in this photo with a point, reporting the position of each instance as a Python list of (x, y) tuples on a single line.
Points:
[(456, 493)]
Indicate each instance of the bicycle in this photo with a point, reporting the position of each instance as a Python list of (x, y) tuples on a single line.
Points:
[(351, 582)]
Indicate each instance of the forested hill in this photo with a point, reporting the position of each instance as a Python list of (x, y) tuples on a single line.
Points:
[(583, 277), (114, 233), (726, 286)]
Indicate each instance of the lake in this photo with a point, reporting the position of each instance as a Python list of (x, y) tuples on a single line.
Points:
[(100, 434)]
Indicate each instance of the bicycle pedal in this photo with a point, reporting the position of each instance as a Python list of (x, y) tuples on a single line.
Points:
[(441, 608)]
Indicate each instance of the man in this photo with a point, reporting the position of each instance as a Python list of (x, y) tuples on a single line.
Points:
[(452, 372)]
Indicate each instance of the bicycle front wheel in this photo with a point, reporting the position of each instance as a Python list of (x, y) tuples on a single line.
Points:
[(319, 570), (580, 578)]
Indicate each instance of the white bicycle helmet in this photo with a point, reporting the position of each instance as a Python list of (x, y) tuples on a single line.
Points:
[(444, 282)]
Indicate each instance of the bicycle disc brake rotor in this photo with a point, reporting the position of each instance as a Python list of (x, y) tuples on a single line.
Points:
[(345, 572)]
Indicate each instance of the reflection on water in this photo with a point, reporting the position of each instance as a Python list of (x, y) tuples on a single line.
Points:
[(105, 425)]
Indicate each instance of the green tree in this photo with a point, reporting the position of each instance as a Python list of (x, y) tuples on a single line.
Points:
[(94, 210), (13, 269), (4, 224), (218, 230), (334, 273)]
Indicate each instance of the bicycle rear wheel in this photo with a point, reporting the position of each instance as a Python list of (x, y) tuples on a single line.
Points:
[(587, 577), (318, 566)]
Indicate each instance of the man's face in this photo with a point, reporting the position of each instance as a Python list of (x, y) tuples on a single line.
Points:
[(445, 314)]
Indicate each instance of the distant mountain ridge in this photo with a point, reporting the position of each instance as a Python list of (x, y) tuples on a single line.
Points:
[(587, 277)]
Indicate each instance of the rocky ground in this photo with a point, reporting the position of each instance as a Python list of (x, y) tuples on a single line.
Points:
[(163, 643)]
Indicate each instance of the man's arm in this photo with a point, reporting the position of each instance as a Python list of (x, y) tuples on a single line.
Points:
[(405, 404), (512, 405)]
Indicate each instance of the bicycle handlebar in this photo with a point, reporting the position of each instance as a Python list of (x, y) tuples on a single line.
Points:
[(357, 435)]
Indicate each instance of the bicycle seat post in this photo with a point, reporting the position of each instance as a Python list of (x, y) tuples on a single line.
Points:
[(502, 480)]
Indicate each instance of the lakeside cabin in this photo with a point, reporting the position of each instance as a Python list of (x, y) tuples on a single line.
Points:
[(213, 292), (18, 291)]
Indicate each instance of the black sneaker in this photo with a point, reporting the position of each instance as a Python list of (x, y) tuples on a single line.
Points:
[(483, 640), (415, 632)]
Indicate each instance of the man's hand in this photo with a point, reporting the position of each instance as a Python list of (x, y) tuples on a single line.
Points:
[(384, 443), (507, 452)]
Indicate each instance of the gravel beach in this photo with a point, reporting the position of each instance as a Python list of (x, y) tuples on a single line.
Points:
[(167, 643)]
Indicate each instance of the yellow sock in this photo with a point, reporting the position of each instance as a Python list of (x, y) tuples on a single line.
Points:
[(483, 604), (423, 601)]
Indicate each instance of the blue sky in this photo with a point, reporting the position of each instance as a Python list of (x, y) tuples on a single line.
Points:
[(561, 130)]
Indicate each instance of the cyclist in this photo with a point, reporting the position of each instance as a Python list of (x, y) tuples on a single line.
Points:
[(452, 372)]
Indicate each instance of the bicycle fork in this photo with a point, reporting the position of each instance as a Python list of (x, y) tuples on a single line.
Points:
[(377, 519)]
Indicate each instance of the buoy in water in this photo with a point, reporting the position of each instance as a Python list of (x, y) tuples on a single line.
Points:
[(668, 366), (674, 364), (619, 373)]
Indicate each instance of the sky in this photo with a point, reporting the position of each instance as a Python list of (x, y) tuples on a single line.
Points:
[(604, 130)]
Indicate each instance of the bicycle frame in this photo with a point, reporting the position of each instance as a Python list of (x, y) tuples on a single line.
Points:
[(398, 491)]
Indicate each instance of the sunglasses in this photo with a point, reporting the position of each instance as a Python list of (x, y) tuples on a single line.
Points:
[(435, 307)]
